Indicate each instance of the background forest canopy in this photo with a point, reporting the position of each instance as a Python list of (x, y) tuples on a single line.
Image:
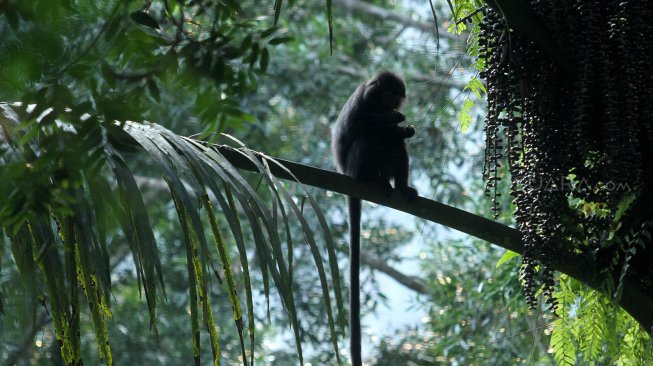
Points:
[(129, 237)]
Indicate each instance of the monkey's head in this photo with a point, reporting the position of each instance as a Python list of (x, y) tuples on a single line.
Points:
[(385, 92)]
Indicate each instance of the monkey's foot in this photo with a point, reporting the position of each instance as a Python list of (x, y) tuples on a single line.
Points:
[(409, 193), (386, 187)]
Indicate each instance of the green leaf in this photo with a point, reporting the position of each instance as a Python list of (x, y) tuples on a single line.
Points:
[(87, 255), (144, 19), (153, 88), (134, 221), (277, 10), (234, 5), (243, 258), (253, 55), (206, 169), (623, 205), (246, 43), (331, 248), (283, 283), (507, 255), (564, 349), (193, 281), (464, 117), (268, 32), (330, 21), (265, 59), (39, 235), (254, 209), (226, 267), (308, 234), (280, 40), (231, 52), (67, 234)]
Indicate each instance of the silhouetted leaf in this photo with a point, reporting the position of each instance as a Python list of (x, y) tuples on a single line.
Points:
[(265, 60), (144, 19), (280, 40)]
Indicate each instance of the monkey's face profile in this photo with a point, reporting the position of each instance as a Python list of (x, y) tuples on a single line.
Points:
[(385, 92), (393, 99)]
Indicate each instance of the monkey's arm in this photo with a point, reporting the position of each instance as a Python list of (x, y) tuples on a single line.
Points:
[(384, 131), (385, 118), (394, 130), (381, 124)]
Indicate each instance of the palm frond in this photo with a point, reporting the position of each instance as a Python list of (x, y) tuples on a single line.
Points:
[(66, 241)]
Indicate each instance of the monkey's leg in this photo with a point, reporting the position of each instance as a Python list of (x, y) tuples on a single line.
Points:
[(401, 162), (364, 162)]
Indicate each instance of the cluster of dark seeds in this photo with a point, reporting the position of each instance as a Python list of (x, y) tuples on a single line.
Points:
[(568, 137)]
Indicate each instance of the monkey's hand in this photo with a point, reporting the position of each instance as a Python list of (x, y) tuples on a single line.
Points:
[(408, 131), (397, 117)]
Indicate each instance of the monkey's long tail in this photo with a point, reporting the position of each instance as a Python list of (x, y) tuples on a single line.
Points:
[(354, 280)]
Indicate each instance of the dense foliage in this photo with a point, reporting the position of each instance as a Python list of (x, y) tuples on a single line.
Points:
[(88, 219), (71, 198), (292, 106), (569, 115)]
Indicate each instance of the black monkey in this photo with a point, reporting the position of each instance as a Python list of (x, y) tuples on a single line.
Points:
[(368, 144)]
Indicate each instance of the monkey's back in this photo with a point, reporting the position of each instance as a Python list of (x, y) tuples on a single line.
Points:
[(343, 133)]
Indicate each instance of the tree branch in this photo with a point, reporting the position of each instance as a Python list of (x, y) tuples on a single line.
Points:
[(412, 282), (437, 81), (635, 300), (381, 13), (25, 343)]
